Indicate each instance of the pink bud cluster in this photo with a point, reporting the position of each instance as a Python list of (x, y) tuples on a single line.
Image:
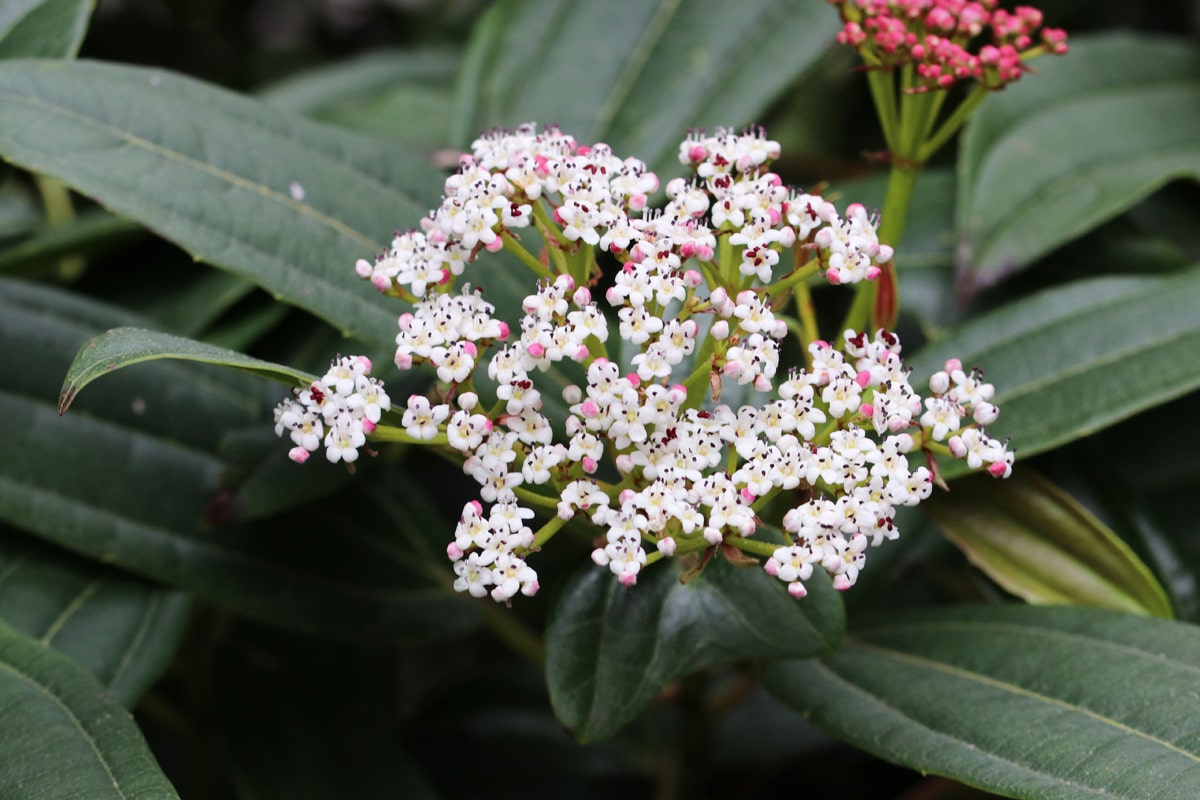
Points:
[(647, 454), (935, 36), (338, 410)]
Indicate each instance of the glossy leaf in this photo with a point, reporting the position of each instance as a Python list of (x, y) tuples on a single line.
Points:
[(60, 737), (123, 347), (1040, 544), (1026, 702), (124, 630), (114, 482), (1030, 182), (43, 28), (610, 650), (284, 202), (636, 75), (1071, 360)]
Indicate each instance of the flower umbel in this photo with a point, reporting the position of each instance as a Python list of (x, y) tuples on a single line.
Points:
[(648, 456)]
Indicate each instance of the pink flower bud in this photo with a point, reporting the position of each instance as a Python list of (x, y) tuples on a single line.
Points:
[(582, 296), (363, 268), (298, 454), (771, 567), (719, 330), (833, 276), (628, 579), (454, 552), (667, 546), (381, 282), (589, 465), (692, 278), (957, 448), (796, 589), (536, 350), (368, 426)]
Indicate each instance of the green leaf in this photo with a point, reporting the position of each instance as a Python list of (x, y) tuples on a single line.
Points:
[(122, 347), (60, 737), (331, 86), (610, 650), (19, 212), (114, 482), (1028, 181), (124, 630), (92, 233), (1072, 360), (1037, 542), (636, 74), (284, 202), (43, 28), (403, 95), (1034, 703)]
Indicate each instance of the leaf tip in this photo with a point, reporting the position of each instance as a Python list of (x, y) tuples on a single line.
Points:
[(66, 397)]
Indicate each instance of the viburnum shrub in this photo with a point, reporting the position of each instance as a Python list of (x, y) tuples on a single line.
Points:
[(665, 309)]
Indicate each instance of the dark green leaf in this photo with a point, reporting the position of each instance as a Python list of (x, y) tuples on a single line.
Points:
[(1030, 182), (19, 213), (43, 28), (334, 86), (113, 482), (122, 347), (402, 95), (121, 628), (91, 233), (60, 737), (1072, 360), (282, 201), (1037, 542), (1035, 703), (610, 650), (635, 74)]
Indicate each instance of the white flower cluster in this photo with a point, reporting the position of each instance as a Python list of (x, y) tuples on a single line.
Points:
[(338, 410), (957, 395), (647, 454)]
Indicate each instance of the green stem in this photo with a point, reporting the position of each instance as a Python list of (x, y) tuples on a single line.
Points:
[(535, 499), (56, 200), (390, 433), (894, 214), (952, 123), (753, 546), (547, 531), (527, 258), (883, 93), (519, 638)]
